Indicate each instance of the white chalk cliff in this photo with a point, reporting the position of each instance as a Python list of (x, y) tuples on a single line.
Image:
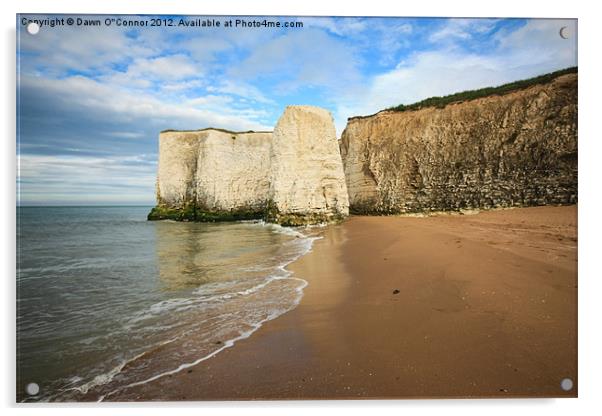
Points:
[(292, 176), (306, 175)]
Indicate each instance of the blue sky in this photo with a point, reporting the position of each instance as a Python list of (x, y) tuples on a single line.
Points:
[(92, 100)]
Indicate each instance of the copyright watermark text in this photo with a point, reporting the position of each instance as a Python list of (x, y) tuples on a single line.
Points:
[(192, 22)]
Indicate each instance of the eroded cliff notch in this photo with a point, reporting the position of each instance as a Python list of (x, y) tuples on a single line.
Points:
[(291, 176)]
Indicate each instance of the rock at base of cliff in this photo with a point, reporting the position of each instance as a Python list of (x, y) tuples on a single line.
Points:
[(192, 213)]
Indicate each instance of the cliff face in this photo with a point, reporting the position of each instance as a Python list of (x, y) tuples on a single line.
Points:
[(213, 171), (307, 176), (292, 176), (517, 149)]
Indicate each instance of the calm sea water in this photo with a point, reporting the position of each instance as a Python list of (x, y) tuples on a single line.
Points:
[(107, 300)]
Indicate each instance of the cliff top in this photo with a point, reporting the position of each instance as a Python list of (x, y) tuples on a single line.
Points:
[(441, 102), (213, 128), (308, 108)]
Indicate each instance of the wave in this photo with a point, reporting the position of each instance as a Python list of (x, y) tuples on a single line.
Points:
[(227, 344), (166, 316)]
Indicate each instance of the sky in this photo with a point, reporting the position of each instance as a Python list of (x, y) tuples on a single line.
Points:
[(91, 101)]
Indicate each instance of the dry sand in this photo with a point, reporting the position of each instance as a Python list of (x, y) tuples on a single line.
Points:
[(487, 307)]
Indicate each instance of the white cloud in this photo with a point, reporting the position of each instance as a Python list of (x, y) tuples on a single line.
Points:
[(242, 90), (539, 41), (462, 29), (204, 49), (340, 26), (125, 134), (392, 39), (167, 71), (172, 67), (211, 101), (146, 108), (307, 58), (69, 48), (181, 86), (80, 179)]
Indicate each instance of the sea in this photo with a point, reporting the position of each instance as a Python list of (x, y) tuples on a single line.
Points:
[(107, 300)]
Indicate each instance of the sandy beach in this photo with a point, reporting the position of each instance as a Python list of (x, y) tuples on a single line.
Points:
[(480, 305)]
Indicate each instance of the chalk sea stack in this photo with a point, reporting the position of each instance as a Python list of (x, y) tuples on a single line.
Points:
[(292, 176), (307, 179)]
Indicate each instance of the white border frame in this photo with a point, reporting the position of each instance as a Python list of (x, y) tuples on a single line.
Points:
[(589, 182)]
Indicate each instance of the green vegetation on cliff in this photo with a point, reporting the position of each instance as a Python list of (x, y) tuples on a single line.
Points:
[(441, 102)]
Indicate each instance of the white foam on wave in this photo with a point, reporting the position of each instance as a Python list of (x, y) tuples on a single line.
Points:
[(182, 304), (291, 231), (204, 293), (227, 344), (103, 378)]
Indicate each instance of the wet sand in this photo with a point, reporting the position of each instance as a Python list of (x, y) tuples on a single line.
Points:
[(478, 305)]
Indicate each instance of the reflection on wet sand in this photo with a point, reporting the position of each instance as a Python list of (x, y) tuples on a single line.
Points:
[(192, 254)]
